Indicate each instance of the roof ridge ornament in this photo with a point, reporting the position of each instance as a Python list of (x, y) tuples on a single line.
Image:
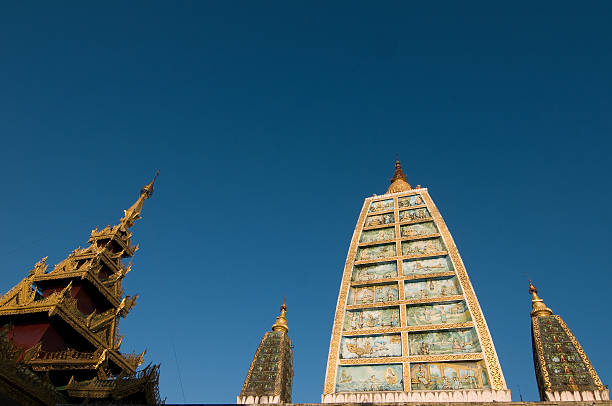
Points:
[(538, 308), (398, 181), (133, 213)]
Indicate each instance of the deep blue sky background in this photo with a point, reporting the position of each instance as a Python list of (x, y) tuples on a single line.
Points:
[(270, 124)]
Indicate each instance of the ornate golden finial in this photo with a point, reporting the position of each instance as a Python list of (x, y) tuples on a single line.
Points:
[(281, 321), (398, 181), (133, 213), (537, 304)]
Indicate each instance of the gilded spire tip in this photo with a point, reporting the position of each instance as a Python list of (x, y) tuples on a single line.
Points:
[(133, 213), (538, 308), (398, 181), (281, 321)]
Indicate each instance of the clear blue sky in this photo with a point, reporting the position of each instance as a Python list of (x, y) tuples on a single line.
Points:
[(270, 123)]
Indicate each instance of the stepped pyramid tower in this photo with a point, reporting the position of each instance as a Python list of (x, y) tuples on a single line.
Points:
[(563, 371), (408, 326), (63, 324), (270, 377)]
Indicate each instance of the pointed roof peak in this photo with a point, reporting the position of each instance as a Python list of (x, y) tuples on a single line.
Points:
[(133, 213), (538, 308), (398, 181), (281, 321)]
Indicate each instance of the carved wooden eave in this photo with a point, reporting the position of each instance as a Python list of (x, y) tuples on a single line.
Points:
[(22, 385), (70, 359), (117, 235), (144, 381)]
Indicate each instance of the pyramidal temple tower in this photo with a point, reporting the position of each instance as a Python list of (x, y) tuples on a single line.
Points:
[(408, 326), (270, 376), (61, 326), (563, 370)]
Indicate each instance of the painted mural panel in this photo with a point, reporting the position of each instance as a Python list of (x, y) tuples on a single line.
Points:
[(374, 271), (444, 342), (367, 378), (370, 294), (414, 214), (376, 252), (440, 313), (417, 247), (412, 267), (378, 235), (364, 319), (414, 230), (408, 201), (437, 287), (449, 376), (380, 219), (388, 345), (381, 205)]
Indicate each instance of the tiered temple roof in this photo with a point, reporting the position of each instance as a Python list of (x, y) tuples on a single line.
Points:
[(563, 371), (65, 319), (408, 326), (270, 376)]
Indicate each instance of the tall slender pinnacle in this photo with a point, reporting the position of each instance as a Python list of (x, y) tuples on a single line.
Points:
[(133, 213), (398, 181), (538, 308), (281, 321)]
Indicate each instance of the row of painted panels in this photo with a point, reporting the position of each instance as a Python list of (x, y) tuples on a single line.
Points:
[(415, 289), (423, 376), (457, 341), (389, 218), (418, 247), (407, 201), (410, 267), (409, 230), (416, 315)]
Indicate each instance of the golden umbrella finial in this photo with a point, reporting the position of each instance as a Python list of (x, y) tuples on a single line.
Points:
[(537, 305), (398, 181), (281, 321)]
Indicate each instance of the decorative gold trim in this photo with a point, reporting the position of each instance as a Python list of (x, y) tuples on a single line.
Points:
[(413, 358), (334, 347), (408, 328), (491, 359), (535, 328)]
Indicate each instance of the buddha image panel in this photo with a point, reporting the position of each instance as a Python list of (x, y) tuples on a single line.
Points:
[(408, 201), (431, 288), (374, 346), (376, 252), (415, 230), (414, 214), (371, 318), (412, 267), (381, 205), (375, 271), (421, 247), (441, 313), (380, 219), (449, 376), (377, 235), (373, 294), (368, 378), (462, 341)]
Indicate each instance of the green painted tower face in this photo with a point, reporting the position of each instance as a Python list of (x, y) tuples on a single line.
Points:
[(270, 376), (562, 368), (408, 326)]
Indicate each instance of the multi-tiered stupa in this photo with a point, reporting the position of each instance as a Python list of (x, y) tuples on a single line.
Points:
[(408, 326)]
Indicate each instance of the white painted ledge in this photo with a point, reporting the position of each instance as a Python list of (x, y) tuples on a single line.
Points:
[(473, 395), (578, 396)]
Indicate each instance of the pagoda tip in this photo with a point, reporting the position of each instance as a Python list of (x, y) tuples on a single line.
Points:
[(538, 308)]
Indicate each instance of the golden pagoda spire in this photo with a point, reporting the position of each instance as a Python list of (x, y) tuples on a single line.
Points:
[(398, 181), (133, 213), (537, 304), (281, 321)]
